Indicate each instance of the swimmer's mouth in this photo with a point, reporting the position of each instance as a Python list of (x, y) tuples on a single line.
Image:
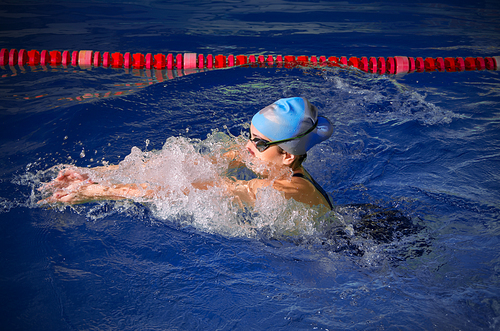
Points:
[(251, 152)]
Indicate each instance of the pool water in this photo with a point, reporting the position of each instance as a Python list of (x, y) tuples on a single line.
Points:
[(412, 168)]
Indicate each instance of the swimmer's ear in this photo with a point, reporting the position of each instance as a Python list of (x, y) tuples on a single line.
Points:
[(288, 159)]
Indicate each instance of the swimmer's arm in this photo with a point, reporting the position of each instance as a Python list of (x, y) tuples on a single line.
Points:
[(89, 192), (72, 188), (122, 191), (246, 191)]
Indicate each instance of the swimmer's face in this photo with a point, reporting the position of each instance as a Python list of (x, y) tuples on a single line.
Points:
[(273, 154)]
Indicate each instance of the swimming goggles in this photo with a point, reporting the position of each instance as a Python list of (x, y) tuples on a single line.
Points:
[(262, 144)]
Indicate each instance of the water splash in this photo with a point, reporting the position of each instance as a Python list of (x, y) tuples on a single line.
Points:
[(182, 162)]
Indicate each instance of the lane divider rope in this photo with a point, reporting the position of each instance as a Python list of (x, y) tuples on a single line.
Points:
[(192, 61)]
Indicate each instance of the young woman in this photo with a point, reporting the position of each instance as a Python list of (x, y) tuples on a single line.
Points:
[(280, 136)]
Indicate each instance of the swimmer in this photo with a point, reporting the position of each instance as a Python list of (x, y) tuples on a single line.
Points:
[(280, 136)]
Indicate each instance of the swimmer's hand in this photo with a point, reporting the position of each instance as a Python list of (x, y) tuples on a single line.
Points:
[(75, 193), (66, 177), (67, 187)]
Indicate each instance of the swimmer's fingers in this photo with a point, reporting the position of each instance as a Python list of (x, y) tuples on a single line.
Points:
[(61, 169), (71, 175), (65, 178), (54, 198), (71, 193), (58, 185), (45, 187), (52, 185), (66, 198)]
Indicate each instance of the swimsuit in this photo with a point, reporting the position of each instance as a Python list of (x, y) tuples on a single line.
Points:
[(317, 186)]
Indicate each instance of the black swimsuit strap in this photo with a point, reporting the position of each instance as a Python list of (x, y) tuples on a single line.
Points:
[(317, 186)]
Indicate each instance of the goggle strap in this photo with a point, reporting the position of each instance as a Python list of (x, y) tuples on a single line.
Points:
[(311, 129)]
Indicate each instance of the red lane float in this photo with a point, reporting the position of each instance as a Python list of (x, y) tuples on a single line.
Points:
[(55, 58), (170, 62), (381, 65), (23, 57), (97, 59), (460, 64), (363, 64), (127, 60), (449, 64), (106, 59), (470, 63), (138, 61), (192, 61), (74, 58), (241, 60), (390, 65), (230, 60), (353, 62), (489, 63), (149, 61), (372, 65), (220, 61), (160, 61), (65, 58), (496, 59), (116, 60), (252, 60), (210, 61), (178, 61), (4, 57), (13, 57), (201, 61)]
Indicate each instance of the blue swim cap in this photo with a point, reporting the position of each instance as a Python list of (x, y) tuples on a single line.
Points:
[(291, 117)]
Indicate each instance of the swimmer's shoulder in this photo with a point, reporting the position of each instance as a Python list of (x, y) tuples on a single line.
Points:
[(298, 188), (313, 194), (301, 190)]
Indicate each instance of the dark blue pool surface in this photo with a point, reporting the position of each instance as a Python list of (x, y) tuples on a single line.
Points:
[(413, 168)]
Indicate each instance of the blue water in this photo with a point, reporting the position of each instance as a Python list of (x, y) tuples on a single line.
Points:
[(412, 167)]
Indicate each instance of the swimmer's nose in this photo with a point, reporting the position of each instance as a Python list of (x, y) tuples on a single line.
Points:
[(249, 147)]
